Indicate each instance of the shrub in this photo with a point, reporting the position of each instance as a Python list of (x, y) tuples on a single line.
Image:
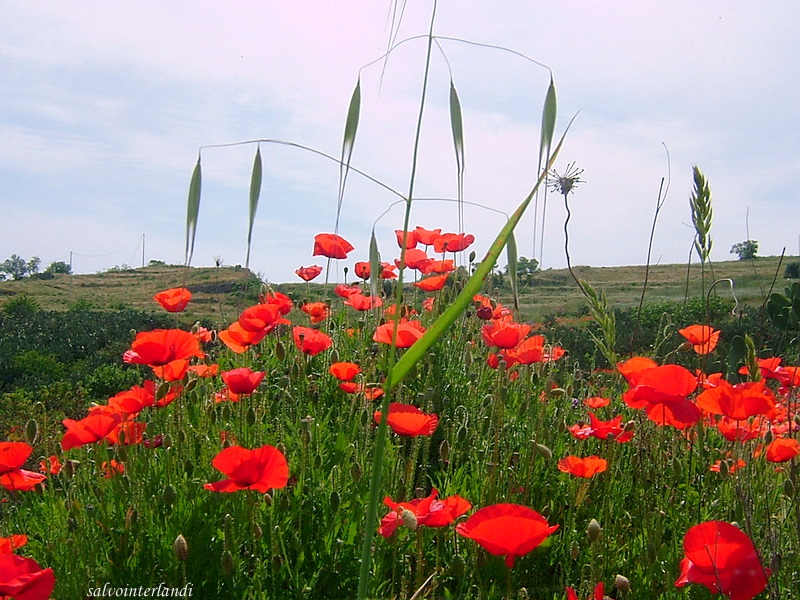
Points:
[(792, 270)]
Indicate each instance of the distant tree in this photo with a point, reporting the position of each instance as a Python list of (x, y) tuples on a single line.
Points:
[(58, 266), (745, 250), (525, 268), (16, 267), (156, 263)]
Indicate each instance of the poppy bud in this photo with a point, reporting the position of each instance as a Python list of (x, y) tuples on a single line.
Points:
[(257, 531), (796, 419), (622, 584), (180, 547), (409, 519), (788, 488), (333, 502), (191, 385), (169, 495), (457, 566), (575, 551), (71, 466), (544, 451), (522, 594), (227, 562), (355, 472), (768, 437), (723, 468), (685, 347), (32, 431), (593, 530), (166, 442), (630, 426), (444, 451)]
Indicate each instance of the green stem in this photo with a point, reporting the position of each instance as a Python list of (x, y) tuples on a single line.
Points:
[(380, 437)]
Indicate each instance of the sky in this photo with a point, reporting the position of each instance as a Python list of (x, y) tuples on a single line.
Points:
[(105, 108)]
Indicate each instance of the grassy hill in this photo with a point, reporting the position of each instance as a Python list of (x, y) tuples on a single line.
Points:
[(219, 294)]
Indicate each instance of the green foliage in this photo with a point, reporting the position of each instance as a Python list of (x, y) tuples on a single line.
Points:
[(16, 267), (20, 306), (59, 267), (792, 270), (745, 250)]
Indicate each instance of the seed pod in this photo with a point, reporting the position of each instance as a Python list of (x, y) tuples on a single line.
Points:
[(788, 488), (257, 531), (180, 547)]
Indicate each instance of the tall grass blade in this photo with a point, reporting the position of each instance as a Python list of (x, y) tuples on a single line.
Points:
[(473, 285), (255, 192), (548, 123), (457, 125), (192, 210), (513, 263), (375, 269), (350, 128)]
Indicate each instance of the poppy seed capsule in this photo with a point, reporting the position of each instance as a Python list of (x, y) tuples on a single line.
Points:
[(593, 530), (227, 562), (180, 547)]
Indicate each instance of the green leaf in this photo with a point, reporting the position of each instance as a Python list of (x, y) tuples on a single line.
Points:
[(548, 122), (350, 128), (192, 210), (255, 192), (456, 124), (375, 269), (511, 254), (472, 286)]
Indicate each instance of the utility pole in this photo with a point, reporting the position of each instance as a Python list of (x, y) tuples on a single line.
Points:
[(143, 251)]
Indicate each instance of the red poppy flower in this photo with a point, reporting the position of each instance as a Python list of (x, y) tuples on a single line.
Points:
[(359, 301), (731, 466), (345, 291), (204, 370), (634, 368), (426, 236), (738, 401), (243, 380), (11, 543), (408, 420), (172, 371), (702, 338), (88, 430), (201, 333), (415, 259), (309, 273), (318, 311), (770, 369), (311, 341), (582, 467), (24, 579), (427, 304), (21, 480), (408, 332), (596, 402), (172, 394), (599, 592), (663, 392), (344, 371), (509, 530), (782, 450), (239, 339), (722, 558), (134, 400), (453, 242), (112, 468), (603, 430), (432, 283), (173, 300), (405, 236), (13, 455), (505, 334), (428, 511), (50, 465), (127, 433), (331, 245), (282, 301), (735, 430), (260, 469), (161, 346)]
